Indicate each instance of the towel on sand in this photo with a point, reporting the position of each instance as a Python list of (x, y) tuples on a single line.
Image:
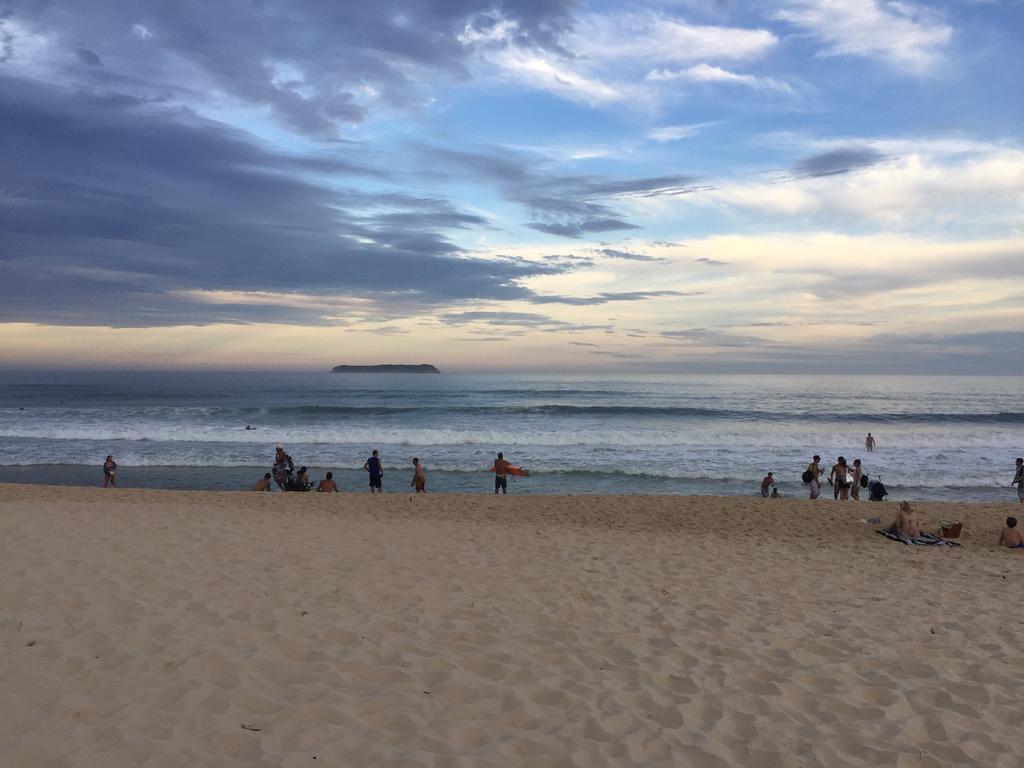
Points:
[(925, 539)]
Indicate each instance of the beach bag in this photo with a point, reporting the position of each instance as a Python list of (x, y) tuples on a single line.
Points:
[(807, 476), (863, 481)]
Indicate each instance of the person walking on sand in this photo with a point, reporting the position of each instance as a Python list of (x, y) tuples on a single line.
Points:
[(327, 485), (766, 483), (263, 484), (1018, 480), (815, 473), (858, 473), (869, 443), (419, 477), (500, 470), (376, 470), (110, 472)]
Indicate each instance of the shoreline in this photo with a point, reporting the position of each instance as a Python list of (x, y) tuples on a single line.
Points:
[(211, 628)]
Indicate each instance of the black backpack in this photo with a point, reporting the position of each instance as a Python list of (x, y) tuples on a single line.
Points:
[(863, 481), (807, 476)]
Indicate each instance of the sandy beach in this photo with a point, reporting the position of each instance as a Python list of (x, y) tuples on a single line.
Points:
[(162, 628)]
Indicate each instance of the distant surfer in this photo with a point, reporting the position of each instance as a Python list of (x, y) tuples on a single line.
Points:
[(869, 442), (500, 470), (766, 483), (327, 485), (376, 470), (419, 477), (110, 472), (263, 484), (1018, 480), (248, 428)]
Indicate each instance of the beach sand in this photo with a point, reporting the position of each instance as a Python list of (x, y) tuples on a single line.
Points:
[(159, 628)]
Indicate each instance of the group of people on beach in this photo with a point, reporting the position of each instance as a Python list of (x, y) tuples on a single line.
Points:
[(284, 475)]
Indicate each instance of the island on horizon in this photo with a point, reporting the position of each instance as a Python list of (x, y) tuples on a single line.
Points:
[(421, 368)]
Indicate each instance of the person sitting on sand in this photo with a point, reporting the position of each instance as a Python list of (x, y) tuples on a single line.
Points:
[(263, 484), (419, 477), (1011, 536), (775, 493), (110, 472), (766, 483), (302, 480), (1018, 480), (327, 485), (376, 470), (907, 523)]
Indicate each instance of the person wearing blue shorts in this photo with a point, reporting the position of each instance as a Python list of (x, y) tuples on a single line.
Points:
[(376, 470)]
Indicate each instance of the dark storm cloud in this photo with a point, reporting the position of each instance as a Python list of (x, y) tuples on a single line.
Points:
[(567, 206), (838, 161), (88, 57), (312, 63), (112, 208)]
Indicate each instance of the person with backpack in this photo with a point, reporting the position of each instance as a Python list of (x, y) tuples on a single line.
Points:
[(812, 476)]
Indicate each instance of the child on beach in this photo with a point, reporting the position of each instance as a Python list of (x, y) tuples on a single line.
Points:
[(1011, 536), (263, 484)]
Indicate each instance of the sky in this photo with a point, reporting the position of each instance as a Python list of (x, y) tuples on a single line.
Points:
[(831, 186)]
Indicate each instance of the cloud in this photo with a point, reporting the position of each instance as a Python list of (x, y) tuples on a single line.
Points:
[(315, 67), (605, 298), (905, 35), (709, 74), (531, 320), (678, 132), (613, 253), (839, 161), (132, 212), (563, 205), (711, 262)]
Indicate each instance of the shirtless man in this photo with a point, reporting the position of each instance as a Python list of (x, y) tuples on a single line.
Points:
[(1018, 480), (839, 479), (858, 473), (869, 443), (327, 485), (263, 484), (500, 469), (815, 471), (766, 483), (419, 477)]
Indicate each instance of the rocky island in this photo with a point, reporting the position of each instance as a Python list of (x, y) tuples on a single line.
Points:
[(421, 368)]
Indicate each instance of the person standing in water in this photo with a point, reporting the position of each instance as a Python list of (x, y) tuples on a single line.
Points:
[(766, 483), (376, 470), (1018, 480), (500, 470), (858, 473), (869, 443), (839, 478), (815, 481), (110, 472), (419, 477)]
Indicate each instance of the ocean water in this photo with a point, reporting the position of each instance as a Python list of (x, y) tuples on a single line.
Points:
[(938, 438)]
